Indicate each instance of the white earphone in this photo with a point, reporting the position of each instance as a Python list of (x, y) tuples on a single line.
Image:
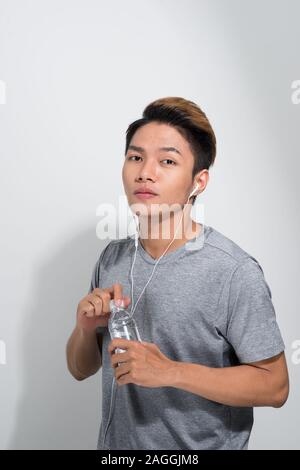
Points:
[(195, 189), (136, 238), (133, 307), (136, 218)]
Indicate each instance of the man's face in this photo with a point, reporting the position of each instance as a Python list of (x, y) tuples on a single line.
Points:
[(167, 173)]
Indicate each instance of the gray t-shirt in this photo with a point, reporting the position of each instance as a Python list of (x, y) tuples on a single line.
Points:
[(207, 303)]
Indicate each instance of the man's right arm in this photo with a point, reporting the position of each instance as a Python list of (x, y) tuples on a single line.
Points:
[(84, 347), (84, 353)]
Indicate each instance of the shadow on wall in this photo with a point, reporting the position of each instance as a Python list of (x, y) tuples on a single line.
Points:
[(54, 410)]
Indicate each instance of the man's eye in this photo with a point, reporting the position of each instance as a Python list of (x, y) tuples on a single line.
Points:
[(133, 156), (166, 159)]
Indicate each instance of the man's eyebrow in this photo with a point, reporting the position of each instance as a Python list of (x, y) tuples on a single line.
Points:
[(141, 149)]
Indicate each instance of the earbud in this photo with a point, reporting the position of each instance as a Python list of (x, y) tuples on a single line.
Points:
[(136, 235), (195, 189)]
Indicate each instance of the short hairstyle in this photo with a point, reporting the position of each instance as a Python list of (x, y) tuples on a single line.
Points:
[(189, 120)]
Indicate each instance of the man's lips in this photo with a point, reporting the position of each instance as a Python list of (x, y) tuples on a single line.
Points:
[(144, 195), (145, 191)]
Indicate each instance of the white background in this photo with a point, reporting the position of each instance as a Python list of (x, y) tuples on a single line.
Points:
[(77, 73)]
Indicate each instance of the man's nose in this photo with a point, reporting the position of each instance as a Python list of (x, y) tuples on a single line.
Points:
[(147, 171)]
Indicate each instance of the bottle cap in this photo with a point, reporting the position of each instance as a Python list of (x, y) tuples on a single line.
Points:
[(112, 304)]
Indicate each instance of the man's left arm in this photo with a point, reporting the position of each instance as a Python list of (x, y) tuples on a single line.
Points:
[(262, 383)]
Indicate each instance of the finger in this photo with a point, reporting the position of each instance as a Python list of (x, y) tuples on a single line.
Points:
[(120, 343), (92, 311), (118, 358), (88, 309), (127, 301), (124, 379), (106, 296), (97, 302), (98, 291), (95, 298), (121, 370), (118, 291)]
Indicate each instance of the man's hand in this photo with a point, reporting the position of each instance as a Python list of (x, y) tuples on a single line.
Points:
[(142, 364), (93, 309)]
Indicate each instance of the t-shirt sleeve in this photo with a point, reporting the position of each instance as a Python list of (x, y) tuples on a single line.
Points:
[(96, 271), (95, 278), (252, 328)]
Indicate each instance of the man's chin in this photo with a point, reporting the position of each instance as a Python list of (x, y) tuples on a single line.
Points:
[(156, 211)]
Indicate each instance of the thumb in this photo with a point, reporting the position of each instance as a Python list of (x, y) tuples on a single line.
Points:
[(127, 301)]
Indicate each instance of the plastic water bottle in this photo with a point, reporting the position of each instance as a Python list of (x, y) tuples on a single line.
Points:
[(121, 324)]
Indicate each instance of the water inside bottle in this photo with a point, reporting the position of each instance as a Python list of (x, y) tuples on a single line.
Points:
[(122, 325)]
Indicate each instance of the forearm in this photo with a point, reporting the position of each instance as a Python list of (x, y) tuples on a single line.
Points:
[(83, 354), (242, 385)]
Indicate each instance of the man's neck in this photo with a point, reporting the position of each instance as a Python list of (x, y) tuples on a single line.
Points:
[(155, 247)]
